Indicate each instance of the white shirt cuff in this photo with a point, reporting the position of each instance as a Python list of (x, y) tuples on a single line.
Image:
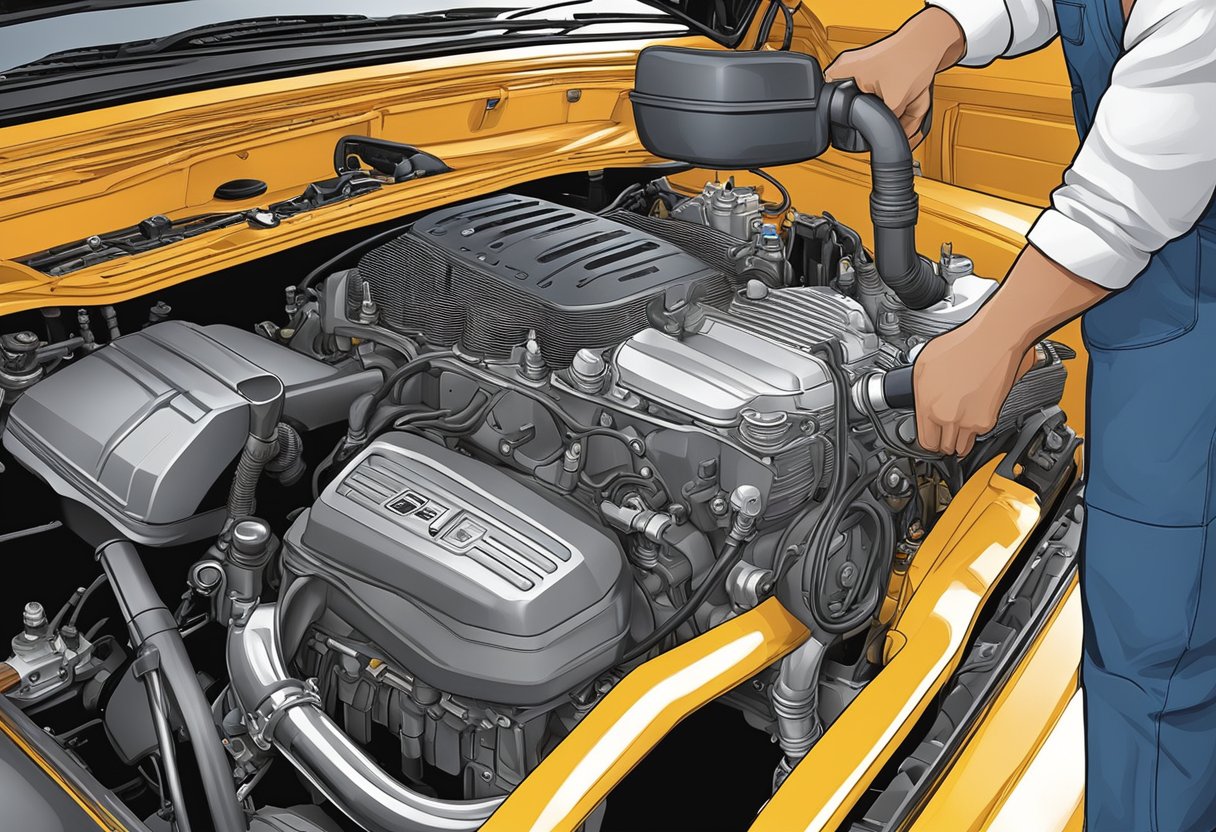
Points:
[(985, 24), (1082, 251)]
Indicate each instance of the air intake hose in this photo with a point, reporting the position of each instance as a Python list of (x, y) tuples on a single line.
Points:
[(861, 121)]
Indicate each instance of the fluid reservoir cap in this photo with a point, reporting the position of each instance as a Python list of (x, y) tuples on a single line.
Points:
[(250, 537), (240, 189)]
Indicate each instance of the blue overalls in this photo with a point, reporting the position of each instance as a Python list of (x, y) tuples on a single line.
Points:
[(1149, 564)]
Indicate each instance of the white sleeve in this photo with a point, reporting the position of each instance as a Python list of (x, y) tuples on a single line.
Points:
[(1147, 170), (1000, 28)]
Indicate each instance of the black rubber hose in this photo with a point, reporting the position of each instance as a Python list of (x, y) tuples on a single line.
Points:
[(255, 456), (150, 622), (726, 560), (84, 599), (785, 203), (814, 567), (288, 465), (894, 206), (898, 390), (832, 354), (329, 265), (766, 25)]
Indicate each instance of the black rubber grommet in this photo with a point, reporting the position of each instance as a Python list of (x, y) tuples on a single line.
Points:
[(240, 189)]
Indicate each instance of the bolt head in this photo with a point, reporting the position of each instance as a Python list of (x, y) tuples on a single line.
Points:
[(848, 575), (718, 505), (487, 775)]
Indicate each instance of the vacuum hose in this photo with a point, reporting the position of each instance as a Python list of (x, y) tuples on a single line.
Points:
[(894, 206)]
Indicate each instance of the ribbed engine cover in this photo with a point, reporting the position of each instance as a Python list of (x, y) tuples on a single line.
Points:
[(484, 273), (479, 586)]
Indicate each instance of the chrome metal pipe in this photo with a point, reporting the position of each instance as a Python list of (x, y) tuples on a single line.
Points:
[(284, 712)]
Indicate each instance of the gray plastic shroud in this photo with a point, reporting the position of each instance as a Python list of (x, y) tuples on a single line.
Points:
[(465, 577), (727, 109), (141, 429)]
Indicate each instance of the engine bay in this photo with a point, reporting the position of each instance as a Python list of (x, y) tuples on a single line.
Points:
[(545, 441)]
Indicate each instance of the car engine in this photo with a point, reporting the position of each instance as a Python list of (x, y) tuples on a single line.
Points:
[(568, 438)]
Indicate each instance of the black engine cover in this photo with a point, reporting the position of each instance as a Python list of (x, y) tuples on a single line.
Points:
[(484, 273)]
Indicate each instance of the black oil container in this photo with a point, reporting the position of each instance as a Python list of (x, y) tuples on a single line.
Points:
[(725, 109)]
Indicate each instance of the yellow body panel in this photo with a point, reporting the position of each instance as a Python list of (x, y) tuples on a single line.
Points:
[(623, 728), (967, 553), (67, 178), (990, 768), (1005, 130)]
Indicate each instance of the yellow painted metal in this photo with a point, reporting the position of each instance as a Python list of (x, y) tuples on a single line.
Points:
[(1005, 130), (1011, 738), (965, 556), (640, 711), (96, 813), (1050, 794), (67, 178)]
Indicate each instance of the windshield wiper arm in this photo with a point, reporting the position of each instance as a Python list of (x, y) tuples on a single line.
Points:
[(308, 25)]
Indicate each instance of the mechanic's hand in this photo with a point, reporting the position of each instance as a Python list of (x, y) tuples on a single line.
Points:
[(899, 69), (960, 380)]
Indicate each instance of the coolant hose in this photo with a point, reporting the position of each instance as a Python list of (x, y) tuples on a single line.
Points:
[(150, 623), (286, 712), (894, 205)]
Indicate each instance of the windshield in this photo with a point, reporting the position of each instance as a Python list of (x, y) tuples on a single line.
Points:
[(62, 57), (38, 33)]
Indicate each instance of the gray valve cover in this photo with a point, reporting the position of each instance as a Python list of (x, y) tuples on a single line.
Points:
[(722, 370), (141, 429), (465, 577)]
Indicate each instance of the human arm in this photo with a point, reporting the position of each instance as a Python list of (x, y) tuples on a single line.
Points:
[(961, 378), (1144, 176), (900, 68)]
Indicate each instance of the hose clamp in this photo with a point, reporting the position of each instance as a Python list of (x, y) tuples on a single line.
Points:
[(265, 718)]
